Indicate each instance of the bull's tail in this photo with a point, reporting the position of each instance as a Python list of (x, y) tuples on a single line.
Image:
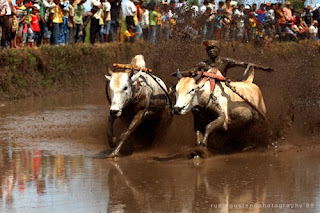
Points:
[(248, 75)]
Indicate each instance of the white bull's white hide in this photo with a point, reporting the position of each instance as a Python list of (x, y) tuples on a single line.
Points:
[(231, 110), (139, 93)]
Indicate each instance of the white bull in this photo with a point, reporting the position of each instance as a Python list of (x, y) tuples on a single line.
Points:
[(133, 96), (221, 110)]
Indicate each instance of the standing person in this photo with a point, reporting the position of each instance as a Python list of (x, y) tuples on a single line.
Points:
[(46, 30), (71, 23), (78, 11), (254, 9), (313, 31), (281, 20), (212, 5), (56, 22), (153, 25), (228, 11), (145, 22), (307, 16), (129, 11), (218, 23), (95, 20), (239, 19), (14, 26), (288, 13), (261, 14), (106, 20), (207, 15), (20, 8), (115, 14), (158, 22), (34, 20), (166, 16), (137, 18), (5, 12), (65, 17)]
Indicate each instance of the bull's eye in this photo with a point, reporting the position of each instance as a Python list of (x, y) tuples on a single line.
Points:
[(125, 88), (191, 91)]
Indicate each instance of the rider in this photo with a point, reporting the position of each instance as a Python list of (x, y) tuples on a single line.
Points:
[(213, 48)]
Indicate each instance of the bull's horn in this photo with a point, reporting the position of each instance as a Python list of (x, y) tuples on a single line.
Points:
[(110, 72), (198, 77), (179, 75)]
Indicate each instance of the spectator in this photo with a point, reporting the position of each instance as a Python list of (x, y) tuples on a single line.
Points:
[(287, 12), (56, 21), (145, 22), (71, 23), (78, 11), (153, 25), (129, 35), (228, 11), (129, 12), (34, 27), (137, 18), (64, 27), (307, 15), (239, 20), (5, 12), (261, 14), (218, 23), (313, 31), (206, 25), (166, 16), (47, 22), (115, 13), (95, 20), (20, 9)]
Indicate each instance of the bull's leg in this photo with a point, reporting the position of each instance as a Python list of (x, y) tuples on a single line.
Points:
[(216, 124), (197, 127), (137, 120), (110, 135)]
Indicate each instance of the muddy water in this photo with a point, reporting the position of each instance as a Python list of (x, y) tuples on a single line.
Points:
[(44, 167)]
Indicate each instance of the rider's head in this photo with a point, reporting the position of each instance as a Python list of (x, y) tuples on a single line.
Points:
[(213, 48)]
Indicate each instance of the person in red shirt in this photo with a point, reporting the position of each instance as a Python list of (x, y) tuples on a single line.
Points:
[(34, 20)]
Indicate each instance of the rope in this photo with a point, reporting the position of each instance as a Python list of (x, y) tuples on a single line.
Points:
[(170, 101), (233, 89)]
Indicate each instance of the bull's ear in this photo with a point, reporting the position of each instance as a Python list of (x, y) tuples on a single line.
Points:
[(108, 77), (136, 76)]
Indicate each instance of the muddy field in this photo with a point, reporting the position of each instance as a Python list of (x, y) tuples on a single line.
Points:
[(46, 145)]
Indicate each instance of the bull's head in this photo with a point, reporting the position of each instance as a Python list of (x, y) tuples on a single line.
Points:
[(121, 88), (186, 94)]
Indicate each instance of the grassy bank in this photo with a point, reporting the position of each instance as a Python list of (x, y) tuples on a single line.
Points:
[(49, 70)]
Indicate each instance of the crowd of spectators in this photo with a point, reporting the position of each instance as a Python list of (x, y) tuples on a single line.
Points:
[(30, 23)]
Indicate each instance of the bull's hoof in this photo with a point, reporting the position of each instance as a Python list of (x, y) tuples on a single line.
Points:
[(200, 152), (110, 153)]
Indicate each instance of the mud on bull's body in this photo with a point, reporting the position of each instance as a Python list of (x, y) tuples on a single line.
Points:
[(220, 109), (133, 96)]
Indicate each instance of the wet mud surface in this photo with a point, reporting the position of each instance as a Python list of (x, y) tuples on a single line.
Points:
[(46, 146), (46, 166)]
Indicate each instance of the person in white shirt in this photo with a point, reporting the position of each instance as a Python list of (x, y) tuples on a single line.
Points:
[(95, 27), (5, 12), (239, 19), (106, 6), (313, 31), (129, 11), (145, 22)]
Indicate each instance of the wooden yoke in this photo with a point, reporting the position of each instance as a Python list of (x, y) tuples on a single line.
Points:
[(131, 66)]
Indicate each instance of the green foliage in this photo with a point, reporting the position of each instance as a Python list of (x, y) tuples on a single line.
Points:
[(298, 5)]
